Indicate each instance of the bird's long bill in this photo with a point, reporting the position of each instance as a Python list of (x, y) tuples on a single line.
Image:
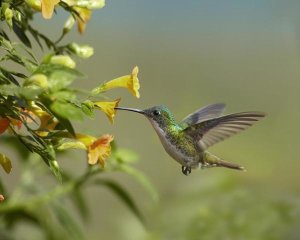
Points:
[(131, 110)]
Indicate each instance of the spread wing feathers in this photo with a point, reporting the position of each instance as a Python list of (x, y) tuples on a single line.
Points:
[(202, 114), (212, 131)]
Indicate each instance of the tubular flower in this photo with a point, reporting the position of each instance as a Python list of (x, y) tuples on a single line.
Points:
[(98, 150), (85, 15), (27, 116), (48, 8), (47, 122), (108, 108), (84, 9), (15, 122), (131, 82)]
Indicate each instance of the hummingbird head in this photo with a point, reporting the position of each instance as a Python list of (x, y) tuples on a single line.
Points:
[(159, 116)]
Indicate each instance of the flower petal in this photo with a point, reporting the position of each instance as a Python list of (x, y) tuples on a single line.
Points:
[(134, 84), (4, 124), (131, 82), (108, 108), (99, 150), (48, 8), (85, 15), (87, 140), (46, 121)]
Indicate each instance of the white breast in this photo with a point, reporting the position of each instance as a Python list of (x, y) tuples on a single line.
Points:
[(169, 147)]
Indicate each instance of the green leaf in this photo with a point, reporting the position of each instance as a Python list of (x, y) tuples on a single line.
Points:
[(88, 108), (8, 89), (123, 195), (46, 151), (55, 169), (67, 223), (66, 110), (142, 179), (60, 79), (49, 156), (59, 76), (21, 214), (79, 201), (64, 124), (19, 31), (73, 144), (36, 34), (64, 95), (9, 77), (5, 43), (17, 74), (77, 196), (30, 92), (5, 163)]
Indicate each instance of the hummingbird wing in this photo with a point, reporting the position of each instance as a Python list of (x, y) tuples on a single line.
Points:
[(202, 114), (212, 131)]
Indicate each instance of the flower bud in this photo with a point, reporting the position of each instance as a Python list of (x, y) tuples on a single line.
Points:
[(64, 60), (8, 16), (68, 25), (35, 4), (83, 51), (39, 80), (91, 4)]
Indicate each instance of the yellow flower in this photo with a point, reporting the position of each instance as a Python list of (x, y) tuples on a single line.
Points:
[(48, 8), (85, 15), (47, 122), (84, 9), (108, 108), (99, 150), (85, 139), (131, 82)]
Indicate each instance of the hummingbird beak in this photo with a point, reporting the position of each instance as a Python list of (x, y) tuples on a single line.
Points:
[(131, 110)]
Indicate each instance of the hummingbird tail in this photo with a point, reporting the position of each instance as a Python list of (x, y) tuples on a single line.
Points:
[(211, 160)]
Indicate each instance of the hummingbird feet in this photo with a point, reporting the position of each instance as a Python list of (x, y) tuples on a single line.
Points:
[(186, 170)]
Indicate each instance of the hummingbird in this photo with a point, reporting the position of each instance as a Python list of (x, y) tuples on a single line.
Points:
[(187, 141)]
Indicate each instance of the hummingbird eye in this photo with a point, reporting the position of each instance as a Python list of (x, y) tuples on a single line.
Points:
[(156, 112)]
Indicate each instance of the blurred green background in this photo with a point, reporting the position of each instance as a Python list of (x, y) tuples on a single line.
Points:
[(190, 54)]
